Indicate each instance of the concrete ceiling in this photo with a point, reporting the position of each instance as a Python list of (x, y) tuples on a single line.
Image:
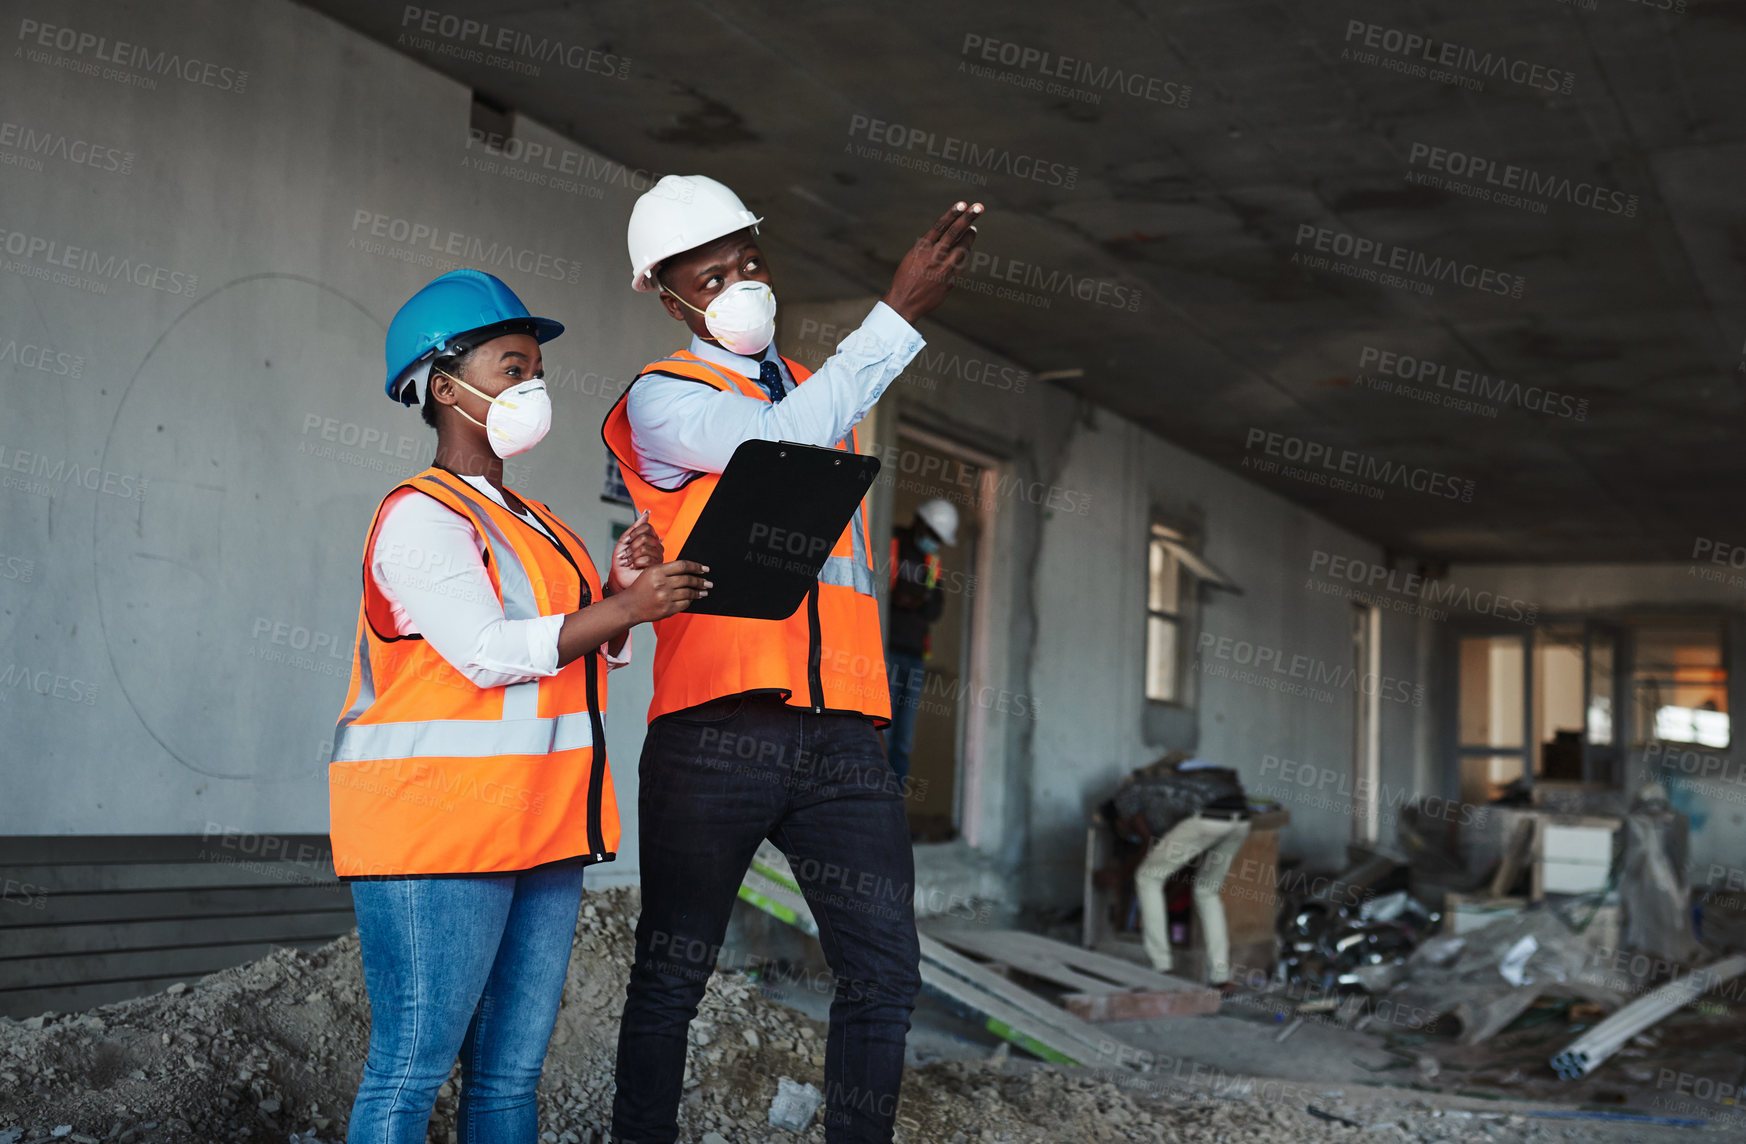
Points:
[(1197, 212)]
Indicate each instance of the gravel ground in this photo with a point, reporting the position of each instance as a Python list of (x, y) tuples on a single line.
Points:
[(271, 1051)]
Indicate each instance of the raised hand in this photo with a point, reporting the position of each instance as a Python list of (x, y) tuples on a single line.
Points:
[(926, 274)]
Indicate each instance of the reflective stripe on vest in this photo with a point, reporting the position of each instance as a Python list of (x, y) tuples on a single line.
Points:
[(463, 738), (851, 571)]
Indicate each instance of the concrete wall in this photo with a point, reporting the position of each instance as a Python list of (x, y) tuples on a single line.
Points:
[(188, 483), (1094, 567)]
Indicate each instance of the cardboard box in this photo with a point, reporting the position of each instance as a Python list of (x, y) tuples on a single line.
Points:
[(1574, 855)]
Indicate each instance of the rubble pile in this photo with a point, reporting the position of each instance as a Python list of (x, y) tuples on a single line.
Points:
[(1335, 946), (271, 1051)]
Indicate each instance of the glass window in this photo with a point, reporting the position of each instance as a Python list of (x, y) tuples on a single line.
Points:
[(1679, 686), (1165, 580)]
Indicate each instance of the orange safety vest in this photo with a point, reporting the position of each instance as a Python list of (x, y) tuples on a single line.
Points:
[(431, 773), (827, 657), (932, 564)]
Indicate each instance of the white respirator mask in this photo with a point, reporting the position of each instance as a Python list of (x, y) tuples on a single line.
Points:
[(518, 418), (742, 317)]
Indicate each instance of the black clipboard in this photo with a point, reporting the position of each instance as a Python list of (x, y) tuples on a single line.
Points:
[(773, 518)]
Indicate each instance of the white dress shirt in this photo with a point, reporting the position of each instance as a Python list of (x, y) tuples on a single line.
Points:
[(680, 428), (429, 563)]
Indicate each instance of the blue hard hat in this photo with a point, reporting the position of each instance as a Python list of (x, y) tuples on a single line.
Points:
[(454, 311)]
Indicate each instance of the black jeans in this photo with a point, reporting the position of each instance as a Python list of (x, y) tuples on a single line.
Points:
[(715, 780)]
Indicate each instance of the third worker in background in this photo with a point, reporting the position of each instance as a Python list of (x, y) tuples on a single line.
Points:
[(1181, 809), (915, 604), (806, 694)]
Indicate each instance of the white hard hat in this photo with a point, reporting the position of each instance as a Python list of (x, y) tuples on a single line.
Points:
[(941, 516), (676, 214)]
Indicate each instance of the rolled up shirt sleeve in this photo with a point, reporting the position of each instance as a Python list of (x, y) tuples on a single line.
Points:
[(622, 659), (428, 561), (680, 427)]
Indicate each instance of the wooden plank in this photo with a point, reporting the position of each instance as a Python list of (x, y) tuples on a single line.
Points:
[(193, 961), (1111, 974), (990, 947), (147, 905), (58, 849), (77, 998), (98, 918), (1042, 1019), (1124, 973), (116, 937), (21, 1003), (999, 1018), (112, 877), (1136, 994)]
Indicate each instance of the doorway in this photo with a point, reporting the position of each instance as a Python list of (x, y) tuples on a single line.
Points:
[(947, 717)]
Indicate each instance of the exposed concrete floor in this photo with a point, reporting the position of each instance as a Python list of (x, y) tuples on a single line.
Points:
[(1352, 1073), (1342, 1066)]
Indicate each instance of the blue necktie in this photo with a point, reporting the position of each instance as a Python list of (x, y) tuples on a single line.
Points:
[(770, 377)]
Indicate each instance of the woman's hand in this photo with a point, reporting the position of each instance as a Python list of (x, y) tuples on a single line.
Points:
[(638, 547), (662, 590)]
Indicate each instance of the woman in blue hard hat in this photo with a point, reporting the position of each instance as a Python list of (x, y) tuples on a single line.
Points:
[(469, 787)]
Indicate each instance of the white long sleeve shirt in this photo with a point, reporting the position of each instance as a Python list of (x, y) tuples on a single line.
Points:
[(429, 563), (679, 427)]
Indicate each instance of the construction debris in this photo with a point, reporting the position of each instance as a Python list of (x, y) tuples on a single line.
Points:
[(1331, 944), (1487, 978), (271, 1051), (1588, 1051), (795, 1105)]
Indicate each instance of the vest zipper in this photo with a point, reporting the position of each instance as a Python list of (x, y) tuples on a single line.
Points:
[(597, 775), (814, 683)]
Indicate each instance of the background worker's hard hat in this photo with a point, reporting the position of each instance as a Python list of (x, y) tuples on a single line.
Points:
[(455, 310), (676, 214), (941, 516)]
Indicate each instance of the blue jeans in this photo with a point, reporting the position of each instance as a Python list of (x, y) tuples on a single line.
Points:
[(716, 780), (906, 673), (468, 965)]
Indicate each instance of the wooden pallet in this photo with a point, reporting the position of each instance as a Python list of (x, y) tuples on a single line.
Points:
[(94, 919), (1009, 1011), (1101, 987)]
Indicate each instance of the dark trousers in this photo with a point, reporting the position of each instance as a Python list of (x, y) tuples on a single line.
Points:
[(714, 781)]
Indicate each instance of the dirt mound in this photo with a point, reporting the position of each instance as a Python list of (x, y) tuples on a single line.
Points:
[(271, 1051)]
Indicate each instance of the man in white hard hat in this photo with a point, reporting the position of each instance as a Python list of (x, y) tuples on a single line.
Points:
[(765, 728), (916, 601)]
